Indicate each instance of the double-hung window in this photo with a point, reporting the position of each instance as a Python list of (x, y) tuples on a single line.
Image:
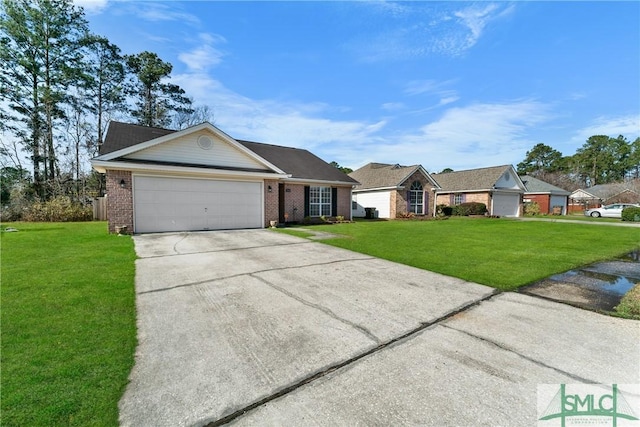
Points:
[(320, 201)]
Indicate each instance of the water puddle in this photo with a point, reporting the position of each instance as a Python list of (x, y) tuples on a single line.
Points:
[(598, 286)]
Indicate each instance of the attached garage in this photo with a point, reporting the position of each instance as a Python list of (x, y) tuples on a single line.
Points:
[(199, 178), (505, 204), (181, 204)]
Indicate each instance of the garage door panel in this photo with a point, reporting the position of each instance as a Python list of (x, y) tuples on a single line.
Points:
[(177, 204), (506, 204)]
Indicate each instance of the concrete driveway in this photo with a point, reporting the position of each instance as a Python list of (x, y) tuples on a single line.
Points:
[(260, 328)]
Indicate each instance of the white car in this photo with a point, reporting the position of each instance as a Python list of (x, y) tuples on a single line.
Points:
[(609, 211)]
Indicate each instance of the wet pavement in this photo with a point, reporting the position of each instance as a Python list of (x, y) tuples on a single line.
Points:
[(598, 286)]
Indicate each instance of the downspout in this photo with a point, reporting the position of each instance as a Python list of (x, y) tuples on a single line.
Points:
[(435, 199), (491, 203)]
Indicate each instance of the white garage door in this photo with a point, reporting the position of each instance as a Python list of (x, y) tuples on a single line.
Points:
[(506, 204), (178, 204)]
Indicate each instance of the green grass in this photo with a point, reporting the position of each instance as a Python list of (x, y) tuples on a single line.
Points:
[(501, 253), (629, 306), (578, 218), (68, 324)]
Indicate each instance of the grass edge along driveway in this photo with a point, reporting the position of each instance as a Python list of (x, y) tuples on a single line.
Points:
[(501, 253), (68, 323)]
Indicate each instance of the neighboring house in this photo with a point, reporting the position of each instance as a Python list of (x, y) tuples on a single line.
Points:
[(202, 179), (550, 199), (604, 194), (393, 190), (498, 187)]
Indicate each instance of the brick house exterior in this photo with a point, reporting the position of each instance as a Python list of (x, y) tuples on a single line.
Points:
[(202, 179), (498, 187), (393, 190), (550, 199)]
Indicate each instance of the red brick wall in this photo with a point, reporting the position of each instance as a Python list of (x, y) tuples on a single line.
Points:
[(294, 202), (271, 201), (119, 200), (542, 200)]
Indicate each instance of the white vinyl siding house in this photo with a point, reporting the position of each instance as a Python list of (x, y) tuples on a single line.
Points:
[(392, 190)]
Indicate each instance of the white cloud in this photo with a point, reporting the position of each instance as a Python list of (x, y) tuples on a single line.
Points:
[(420, 29), (204, 56), (277, 122), (435, 88), (478, 135), (158, 12), (628, 126), (393, 106), (92, 7), (475, 19)]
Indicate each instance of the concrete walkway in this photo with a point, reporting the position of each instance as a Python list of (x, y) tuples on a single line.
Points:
[(260, 328)]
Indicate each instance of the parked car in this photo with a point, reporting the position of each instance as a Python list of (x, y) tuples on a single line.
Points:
[(609, 211)]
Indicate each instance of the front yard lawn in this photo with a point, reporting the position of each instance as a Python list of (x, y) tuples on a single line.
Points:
[(501, 253), (68, 324)]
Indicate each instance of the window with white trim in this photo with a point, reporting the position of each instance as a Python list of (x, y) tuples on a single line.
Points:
[(416, 198), (320, 201), (458, 199)]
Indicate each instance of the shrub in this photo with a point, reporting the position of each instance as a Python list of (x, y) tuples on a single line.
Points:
[(58, 209), (405, 215), (469, 208), (444, 210), (531, 208), (631, 214)]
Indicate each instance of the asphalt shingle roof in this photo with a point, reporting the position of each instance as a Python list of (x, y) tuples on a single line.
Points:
[(123, 135), (534, 185), (382, 175), (471, 180), (299, 163), (606, 191)]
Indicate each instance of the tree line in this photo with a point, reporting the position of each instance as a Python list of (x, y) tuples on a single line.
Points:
[(601, 160), (60, 85)]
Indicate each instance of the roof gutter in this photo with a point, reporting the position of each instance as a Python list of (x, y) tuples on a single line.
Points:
[(101, 166), (317, 181)]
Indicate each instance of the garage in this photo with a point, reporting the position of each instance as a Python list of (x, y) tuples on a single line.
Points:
[(505, 204), (187, 204)]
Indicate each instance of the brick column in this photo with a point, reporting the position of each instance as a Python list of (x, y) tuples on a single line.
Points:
[(271, 202), (119, 200)]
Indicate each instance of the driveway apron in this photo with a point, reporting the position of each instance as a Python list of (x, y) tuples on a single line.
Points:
[(253, 327)]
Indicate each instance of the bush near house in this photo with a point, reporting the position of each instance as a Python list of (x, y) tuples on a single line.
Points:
[(463, 209), (444, 210), (58, 209), (631, 214), (531, 208), (470, 208)]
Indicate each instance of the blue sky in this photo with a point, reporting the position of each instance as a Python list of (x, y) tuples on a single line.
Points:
[(442, 84)]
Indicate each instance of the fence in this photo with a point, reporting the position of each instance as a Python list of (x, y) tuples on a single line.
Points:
[(100, 209)]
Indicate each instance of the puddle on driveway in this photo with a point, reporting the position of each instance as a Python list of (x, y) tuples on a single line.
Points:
[(598, 286)]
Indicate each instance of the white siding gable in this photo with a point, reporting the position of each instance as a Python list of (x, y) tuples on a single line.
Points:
[(508, 180), (581, 194), (186, 150)]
